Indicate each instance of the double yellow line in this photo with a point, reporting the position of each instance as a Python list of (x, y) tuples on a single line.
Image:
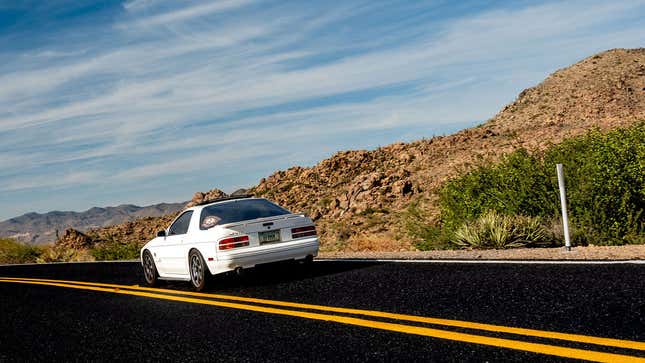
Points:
[(320, 312)]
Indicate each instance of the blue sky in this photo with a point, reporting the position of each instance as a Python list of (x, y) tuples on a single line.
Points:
[(145, 101)]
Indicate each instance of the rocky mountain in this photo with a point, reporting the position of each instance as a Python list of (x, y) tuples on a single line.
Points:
[(38, 228), (359, 198)]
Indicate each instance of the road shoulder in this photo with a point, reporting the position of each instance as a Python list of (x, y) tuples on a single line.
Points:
[(594, 253)]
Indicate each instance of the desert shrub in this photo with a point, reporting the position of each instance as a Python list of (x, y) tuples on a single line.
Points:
[(514, 186), (57, 254), (115, 251), (605, 180), (580, 235), (12, 251), (425, 234), (495, 230), (63, 254), (605, 175), (530, 231)]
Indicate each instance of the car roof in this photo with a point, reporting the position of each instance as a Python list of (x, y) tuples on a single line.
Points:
[(198, 207), (222, 199)]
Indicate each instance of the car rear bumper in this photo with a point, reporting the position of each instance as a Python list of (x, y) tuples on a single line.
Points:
[(249, 257)]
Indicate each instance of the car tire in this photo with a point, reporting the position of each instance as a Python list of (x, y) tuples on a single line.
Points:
[(150, 273), (198, 270)]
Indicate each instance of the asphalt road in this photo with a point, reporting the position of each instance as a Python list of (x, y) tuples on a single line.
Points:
[(42, 322)]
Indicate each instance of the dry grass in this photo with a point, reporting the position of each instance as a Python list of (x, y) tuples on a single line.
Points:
[(62, 254)]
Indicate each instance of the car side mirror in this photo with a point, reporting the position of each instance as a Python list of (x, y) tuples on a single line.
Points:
[(161, 233)]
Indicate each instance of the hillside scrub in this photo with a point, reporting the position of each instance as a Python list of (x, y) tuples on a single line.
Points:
[(15, 252), (115, 251), (605, 180)]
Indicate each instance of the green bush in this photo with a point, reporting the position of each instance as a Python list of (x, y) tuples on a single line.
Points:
[(515, 186), (605, 179), (426, 235), (605, 176), (115, 251), (15, 252)]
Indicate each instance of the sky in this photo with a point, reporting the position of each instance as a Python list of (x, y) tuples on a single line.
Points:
[(147, 101)]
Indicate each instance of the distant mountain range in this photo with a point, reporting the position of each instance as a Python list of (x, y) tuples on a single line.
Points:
[(36, 228)]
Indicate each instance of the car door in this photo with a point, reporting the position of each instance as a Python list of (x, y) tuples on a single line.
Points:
[(171, 251)]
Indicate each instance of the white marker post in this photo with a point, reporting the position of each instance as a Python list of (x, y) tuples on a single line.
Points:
[(563, 201)]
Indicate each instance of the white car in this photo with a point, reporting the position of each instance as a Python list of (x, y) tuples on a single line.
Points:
[(224, 235)]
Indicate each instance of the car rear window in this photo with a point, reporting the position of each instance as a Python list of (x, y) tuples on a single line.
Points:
[(237, 211)]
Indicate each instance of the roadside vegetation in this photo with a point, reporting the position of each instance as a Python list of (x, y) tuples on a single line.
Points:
[(55, 253), (115, 251), (515, 202), (12, 252), (15, 252)]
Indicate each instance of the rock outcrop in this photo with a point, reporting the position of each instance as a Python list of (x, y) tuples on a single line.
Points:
[(200, 197), (73, 239)]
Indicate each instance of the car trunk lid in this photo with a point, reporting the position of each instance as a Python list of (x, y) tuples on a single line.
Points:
[(269, 230)]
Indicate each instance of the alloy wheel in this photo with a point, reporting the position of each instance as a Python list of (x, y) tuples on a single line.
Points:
[(196, 270)]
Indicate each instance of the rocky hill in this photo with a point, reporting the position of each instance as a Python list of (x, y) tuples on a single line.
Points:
[(359, 198), (38, 228)]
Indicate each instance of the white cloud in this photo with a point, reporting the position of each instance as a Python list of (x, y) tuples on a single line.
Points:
[(57, 180), (183, 14), (138, 5)]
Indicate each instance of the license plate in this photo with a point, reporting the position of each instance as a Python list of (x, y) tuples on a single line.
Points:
[(269, 236)]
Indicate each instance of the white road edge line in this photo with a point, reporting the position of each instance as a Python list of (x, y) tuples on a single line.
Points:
[(63, 263), (527, 262)]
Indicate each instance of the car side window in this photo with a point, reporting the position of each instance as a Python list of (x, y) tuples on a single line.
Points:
[(181, 224)]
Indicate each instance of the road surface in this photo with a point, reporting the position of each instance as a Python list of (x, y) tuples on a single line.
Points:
[(332, 311)]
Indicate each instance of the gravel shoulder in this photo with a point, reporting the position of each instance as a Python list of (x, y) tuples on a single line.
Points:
[(630, 252)]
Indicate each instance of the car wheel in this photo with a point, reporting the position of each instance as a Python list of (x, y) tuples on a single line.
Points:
[(198, 270), (149, 269)]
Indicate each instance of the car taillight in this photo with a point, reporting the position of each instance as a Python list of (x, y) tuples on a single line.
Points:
[(233, 242), (303, 232)]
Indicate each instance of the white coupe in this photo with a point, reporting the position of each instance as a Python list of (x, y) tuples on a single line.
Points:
[(224, 235)]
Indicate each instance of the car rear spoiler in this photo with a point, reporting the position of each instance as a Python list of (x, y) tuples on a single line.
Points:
[(265, 219)]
